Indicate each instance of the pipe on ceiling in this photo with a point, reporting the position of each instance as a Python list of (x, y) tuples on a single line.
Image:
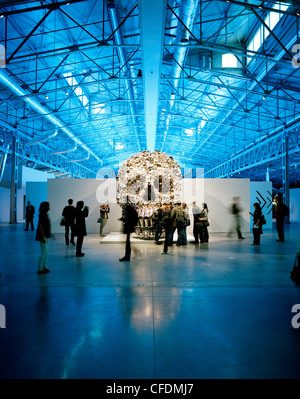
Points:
[(115, 20), (10, 82)]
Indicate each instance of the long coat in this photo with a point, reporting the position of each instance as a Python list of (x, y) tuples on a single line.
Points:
[(79, 226)]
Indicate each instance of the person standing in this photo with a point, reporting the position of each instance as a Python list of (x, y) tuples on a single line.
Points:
[(104, 211), (157, 221), (203, 224), (182, 238), (29, 215), (130, 220), (43, 234), (236, 214), (279, 215), (174, 223), (69, 214), (196, 223), (81, 213), (166, 224), (257, 225)]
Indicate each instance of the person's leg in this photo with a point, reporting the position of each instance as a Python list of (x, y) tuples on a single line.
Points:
[(205, 234), (158, 232), (166, 243), (171, 234), (27, 224), (196, 234), (127, 247), (67, 234), (72, 234), (31, 224), (42, 256), (79, 245), (279, 225)]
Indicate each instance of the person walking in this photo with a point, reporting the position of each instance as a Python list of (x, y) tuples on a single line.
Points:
[(104, 211), (81, 213), (130, 220), (279, 215), (157, 222), (236, 215), (68, 214), (257, 223), (43, 234), (29, 215), (166, 223), (174, 223)]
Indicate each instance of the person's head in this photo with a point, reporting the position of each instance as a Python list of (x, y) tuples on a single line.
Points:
[(183, 205), (80, 205), (70, 201), (277, 199), (256, 205), (44, 207), (194, 203), (28, 203), (204, 206)]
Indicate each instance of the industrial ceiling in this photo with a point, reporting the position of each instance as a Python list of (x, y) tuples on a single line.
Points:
[(84, 84)]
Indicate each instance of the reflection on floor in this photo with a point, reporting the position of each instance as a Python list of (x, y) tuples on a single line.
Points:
[(217, 310)]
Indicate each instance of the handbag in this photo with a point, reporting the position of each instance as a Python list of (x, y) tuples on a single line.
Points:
[(62, 222), (99, 220)]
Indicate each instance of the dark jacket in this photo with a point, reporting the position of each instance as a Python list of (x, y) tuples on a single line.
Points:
[(80, 226), (69, 214), (30, 211), (129, 218), (104, 213), (280, 212), (43, 229), (257, 219)]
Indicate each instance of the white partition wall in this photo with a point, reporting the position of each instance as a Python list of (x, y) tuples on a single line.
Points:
[(92, 192), (261, 192), (218, 194)]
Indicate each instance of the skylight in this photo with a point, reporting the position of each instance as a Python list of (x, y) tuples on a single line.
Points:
[(262, 33), (229, 61), (78, 91)]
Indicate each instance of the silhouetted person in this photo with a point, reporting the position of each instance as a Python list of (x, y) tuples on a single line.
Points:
[(279, 215), (166, 223), (81, 212), (203, 219), (157, 220), (236, 211), (69, 214), (29, 214), (104, 211), (257, 225), (130, 220), (43, 234), (196, 223)]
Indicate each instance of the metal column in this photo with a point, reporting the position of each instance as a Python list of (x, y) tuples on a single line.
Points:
[(14, 182), (286, 173)]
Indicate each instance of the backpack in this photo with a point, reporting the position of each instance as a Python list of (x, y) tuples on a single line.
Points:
[(295, 273), (262, 220), (181, 217)]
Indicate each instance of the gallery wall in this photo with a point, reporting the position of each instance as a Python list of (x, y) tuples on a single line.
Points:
[(217, 194)]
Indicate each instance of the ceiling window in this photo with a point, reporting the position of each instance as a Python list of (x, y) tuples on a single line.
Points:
[(262, 32), (78, 91), (229, 61)]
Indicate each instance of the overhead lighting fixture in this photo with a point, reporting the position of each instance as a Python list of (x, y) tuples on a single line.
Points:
[(46, 97), (1, 16)]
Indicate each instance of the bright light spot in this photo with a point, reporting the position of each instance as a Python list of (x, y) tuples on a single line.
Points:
[(229, 61)]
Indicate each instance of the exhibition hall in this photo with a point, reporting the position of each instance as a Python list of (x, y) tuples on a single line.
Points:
[(150, 192)]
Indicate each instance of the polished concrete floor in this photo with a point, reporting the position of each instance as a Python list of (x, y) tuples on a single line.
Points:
[(220, 310)]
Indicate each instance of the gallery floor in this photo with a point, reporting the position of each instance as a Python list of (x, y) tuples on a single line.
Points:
[(218, 310)]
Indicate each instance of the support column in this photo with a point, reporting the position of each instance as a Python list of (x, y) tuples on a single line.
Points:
[(286, 174), (14, 182)]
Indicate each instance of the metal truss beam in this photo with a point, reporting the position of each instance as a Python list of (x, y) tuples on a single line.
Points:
[(42, 155), (268, 150)]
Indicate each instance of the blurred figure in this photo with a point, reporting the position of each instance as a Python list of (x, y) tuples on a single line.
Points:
[(186, 223), (157, 218), (29, 214), (236, 225), (130, 220), (166, 223), (69, 213), (43, 234), (204, 223), (279, 215), (104, 211), (196, 222), (257, 225), (81, 212)]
